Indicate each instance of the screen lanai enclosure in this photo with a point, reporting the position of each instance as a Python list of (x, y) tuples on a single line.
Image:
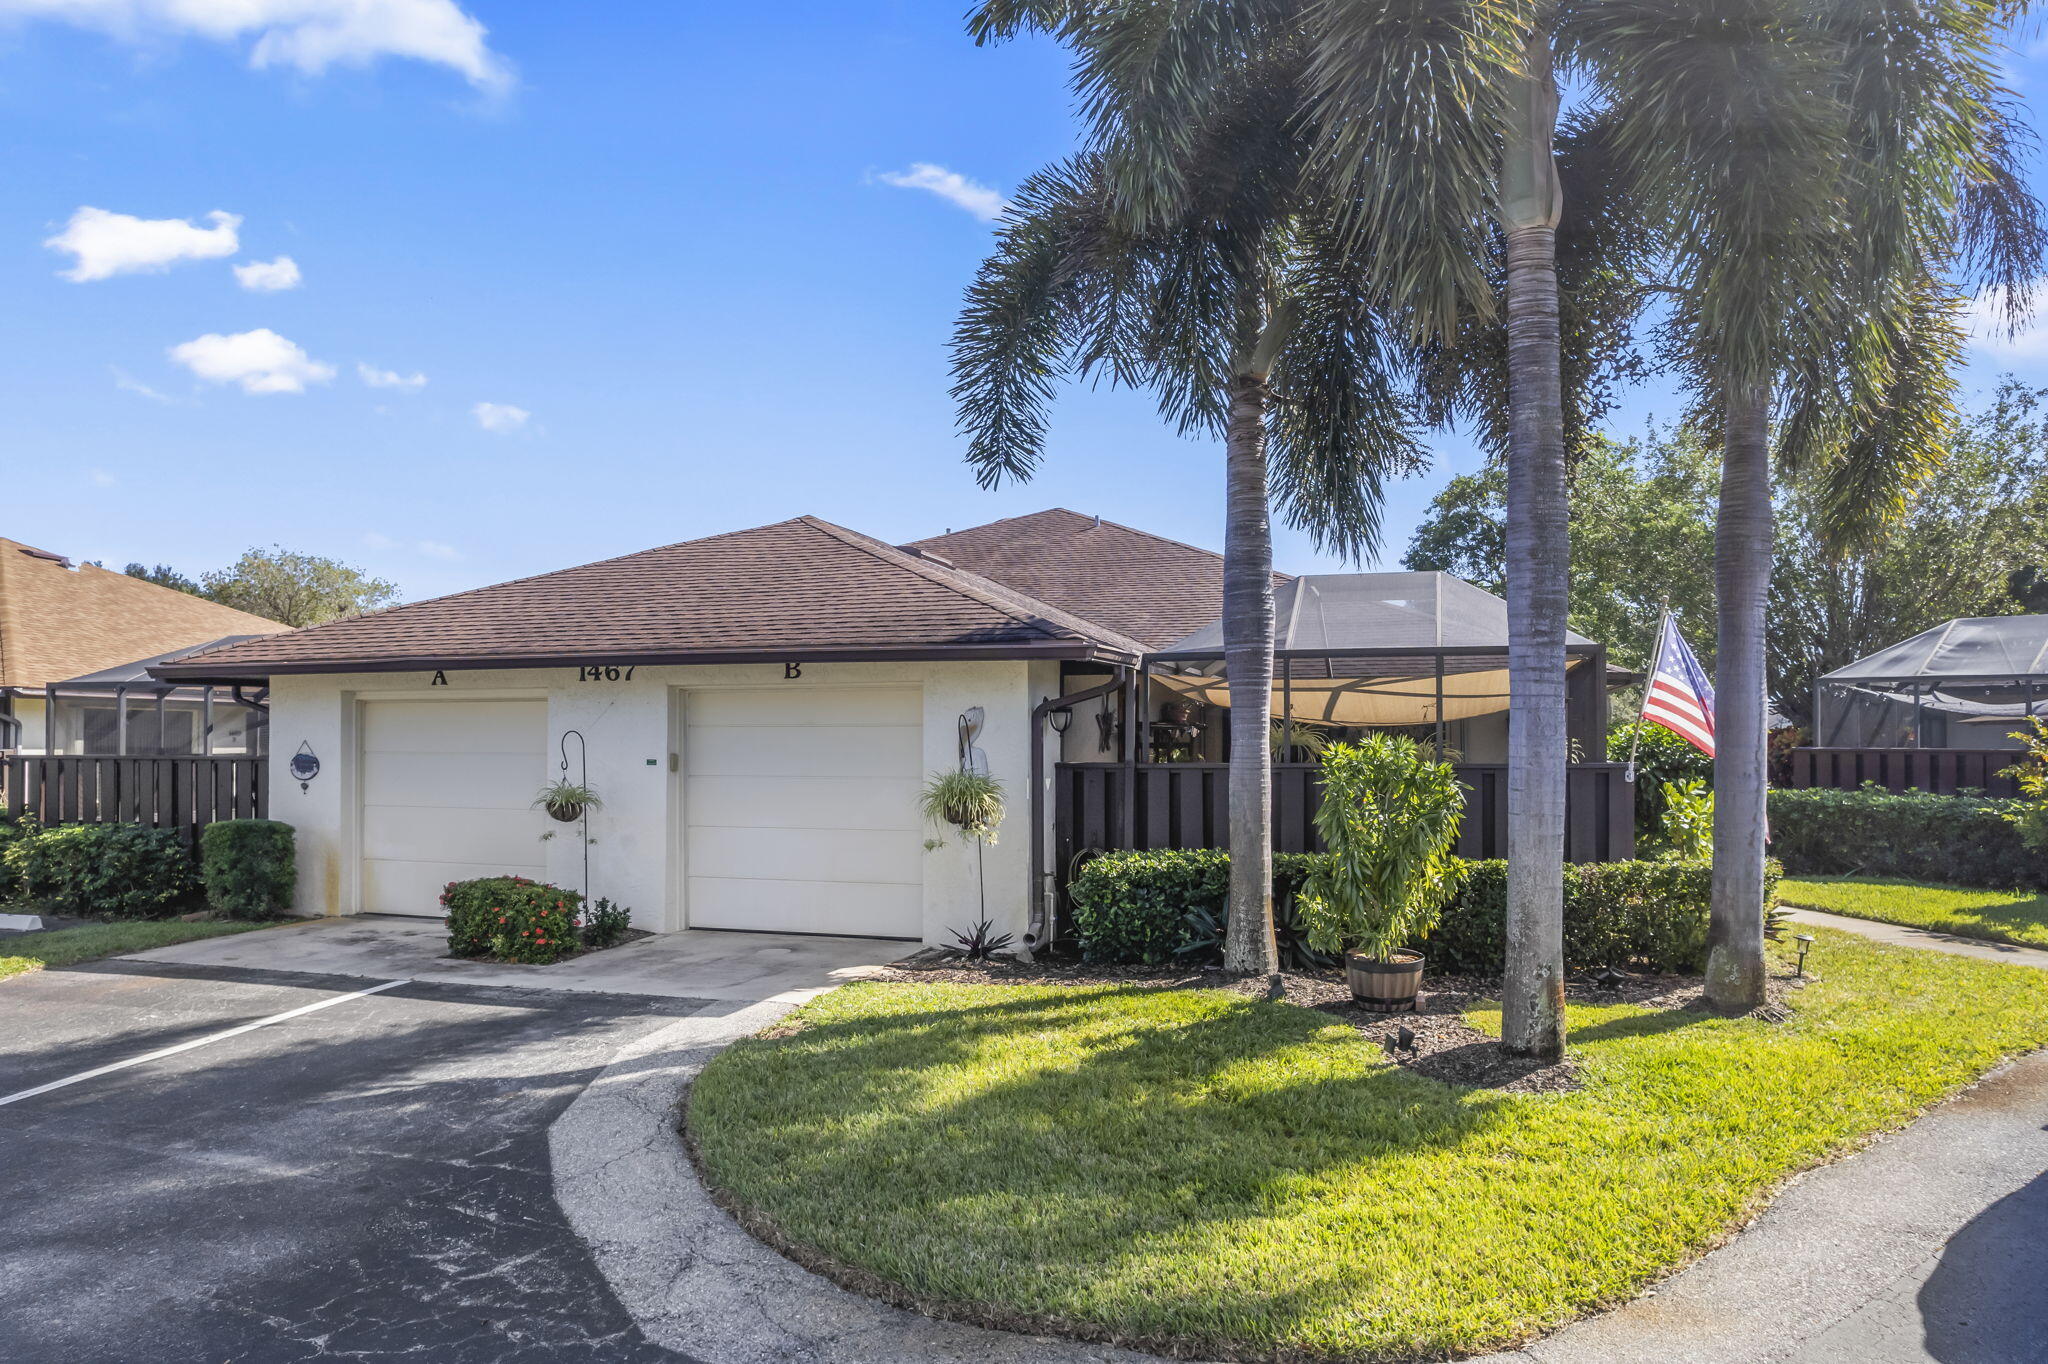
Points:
[(1421, 654)]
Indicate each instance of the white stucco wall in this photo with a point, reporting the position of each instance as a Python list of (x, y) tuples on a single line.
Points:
[(632, 729)]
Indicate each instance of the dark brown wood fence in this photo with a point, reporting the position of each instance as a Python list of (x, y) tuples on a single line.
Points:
[(165, 793), (1943, 771), (1185, 805)]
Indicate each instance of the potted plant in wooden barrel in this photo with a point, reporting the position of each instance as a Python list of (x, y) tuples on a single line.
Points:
[(1388, 821)]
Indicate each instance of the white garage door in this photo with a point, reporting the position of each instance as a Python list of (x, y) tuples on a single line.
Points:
[(801, 810), (447, 795)]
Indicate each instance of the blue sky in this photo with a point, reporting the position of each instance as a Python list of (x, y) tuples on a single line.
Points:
[(659, 270)]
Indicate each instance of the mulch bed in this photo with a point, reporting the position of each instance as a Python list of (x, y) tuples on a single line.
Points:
[(1434, 1041)]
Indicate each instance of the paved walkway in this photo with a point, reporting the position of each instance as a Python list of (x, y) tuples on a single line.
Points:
[(1931, 1245), (1898, 935), (693, 964)]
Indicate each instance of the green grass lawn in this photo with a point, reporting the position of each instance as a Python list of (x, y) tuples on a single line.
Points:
[(1240, 1178), (69, 946), (1997, 915)]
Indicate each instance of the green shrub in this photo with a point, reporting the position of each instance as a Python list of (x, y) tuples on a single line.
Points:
[(1153, 907), (11, 831), (1685, 832), (1660, 757), (606, 923), (1968, 840), (1134, 908), (2031, 775), (512, 919), (247, 867), (121, 871), (1389, 817)]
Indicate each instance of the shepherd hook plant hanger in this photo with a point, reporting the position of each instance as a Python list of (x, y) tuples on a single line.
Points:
[(582, 779)]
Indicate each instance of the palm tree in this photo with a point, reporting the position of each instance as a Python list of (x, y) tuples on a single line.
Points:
[(1184, 100), (1433, 125), (1242, 321), (1820, 167), (1517, 384)]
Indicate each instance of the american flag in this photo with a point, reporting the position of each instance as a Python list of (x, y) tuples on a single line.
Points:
[(1680, 698)]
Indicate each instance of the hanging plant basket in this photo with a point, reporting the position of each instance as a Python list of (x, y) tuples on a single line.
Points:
[(971, 802), (567, 802)]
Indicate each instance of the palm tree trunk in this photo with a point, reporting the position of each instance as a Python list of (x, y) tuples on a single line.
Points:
[(1742, 580), (1248, 659), (1538, 578)]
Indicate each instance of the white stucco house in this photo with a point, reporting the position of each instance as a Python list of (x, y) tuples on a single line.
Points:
[(757, 710)]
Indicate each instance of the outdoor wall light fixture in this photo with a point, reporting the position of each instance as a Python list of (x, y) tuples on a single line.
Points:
[(1805, 941), (1061, 718)]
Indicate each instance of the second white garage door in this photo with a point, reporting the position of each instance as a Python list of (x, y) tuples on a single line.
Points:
[(801, 810), (448, 788)]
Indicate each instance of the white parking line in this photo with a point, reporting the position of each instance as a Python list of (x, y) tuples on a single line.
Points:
[(197, 1042)]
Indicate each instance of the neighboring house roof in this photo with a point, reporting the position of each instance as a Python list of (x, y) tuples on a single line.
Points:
[(57, 621), (1377, 611), (138, 671), (799, 590), (1145, 586)]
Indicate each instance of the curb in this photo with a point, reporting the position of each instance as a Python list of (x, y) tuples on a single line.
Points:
[(693, 1280)]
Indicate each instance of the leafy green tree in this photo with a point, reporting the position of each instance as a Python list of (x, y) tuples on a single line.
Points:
[(1643, 531), (163, 575), (1641, 535), (294, 588)]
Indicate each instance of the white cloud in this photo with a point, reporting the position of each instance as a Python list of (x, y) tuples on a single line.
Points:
[(1991, 333), (260, 361), (389, 378), (268, 276), (128, 383), (956, 189), (434, 549), (102, 479), (305, 35), (103, 244), (501, 418), (377, 539)]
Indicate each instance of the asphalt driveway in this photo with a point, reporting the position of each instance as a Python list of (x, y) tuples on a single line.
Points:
[(366, 1179)]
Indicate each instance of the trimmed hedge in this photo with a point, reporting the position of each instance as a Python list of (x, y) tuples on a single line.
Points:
[(247, 867), (1968, 840), (121, 871), (1150, 908), (11, 831), (512, 918)]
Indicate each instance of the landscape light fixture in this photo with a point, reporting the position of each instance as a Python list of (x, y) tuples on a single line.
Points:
[(1805, 941)]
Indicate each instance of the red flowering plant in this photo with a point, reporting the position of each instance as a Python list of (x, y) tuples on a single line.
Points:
[(512, 919)]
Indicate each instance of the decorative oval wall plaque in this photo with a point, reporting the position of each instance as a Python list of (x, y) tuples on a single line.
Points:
[(304, 765)]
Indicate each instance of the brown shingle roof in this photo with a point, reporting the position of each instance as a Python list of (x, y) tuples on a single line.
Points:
[(57, 622), (799, 589), (1153, 589)]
